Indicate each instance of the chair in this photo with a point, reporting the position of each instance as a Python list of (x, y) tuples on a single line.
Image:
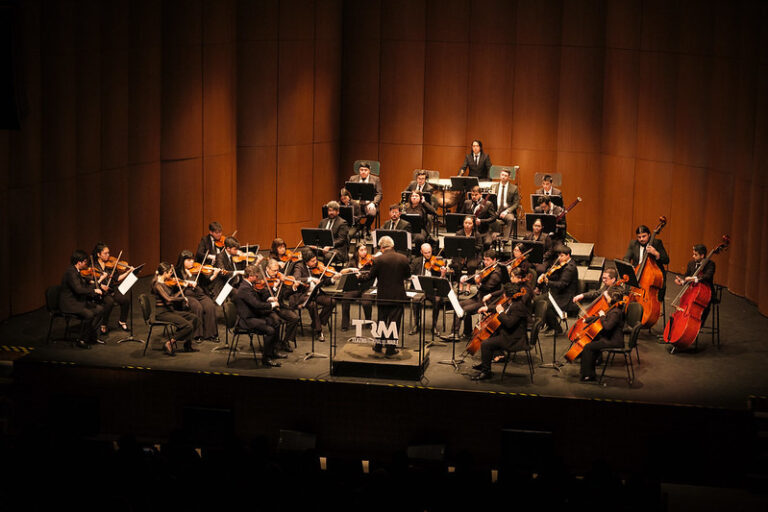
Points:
[(375, 166), (533, 340), (230, 323), (52, 306), (634, 315), (539, 310), (495, 172), (148, 314), (714, 316)]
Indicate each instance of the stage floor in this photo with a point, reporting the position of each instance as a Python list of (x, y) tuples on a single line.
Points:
[(710, 377)]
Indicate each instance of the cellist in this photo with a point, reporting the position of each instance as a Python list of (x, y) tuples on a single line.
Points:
[(610, 278), (612, 334), (636, 251), (706, 275), (513, 319), (488, 286)]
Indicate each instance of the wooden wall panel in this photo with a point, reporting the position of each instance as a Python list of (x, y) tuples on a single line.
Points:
[(448, 20), (256, 201), (27, 284), (692, 134), (257, 93), (257, 20), (446, 159), (685, 229), (653, 193), (296, 20), (617, 193), (114, 206), (580, 100), (489, 101), (534, 122), (360, 102), (218, 99), (182, 102), (403, 20), (620, 89), (537, 23), (622, 24), (327, 93), (59, 221), (88, 96), (583, 23), (115, 84), (397, 164), (88, 205), (656, 107), (220, 200), (144, 212), (294, 164), (181, 203), (295, 92), (581, 175), (402, 92), (324, 186), (445, 94)]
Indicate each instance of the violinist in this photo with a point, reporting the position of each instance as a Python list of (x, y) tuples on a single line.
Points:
[(477, 163), (508, 200), (488, 281), (638, 247), (417, 205), (610, 278), (362, 262), (279, 253), (484, 212), (469, 264), (519, 261), (74, 299), (210, 244), (611, 336), (226, 262), (537, 235), (308, 270), (254, 308), (562, 281), (200, 302), (109, 282), (546, 188), (427, 265), (369, 209), (284, 313), (706, 275), (340, 231), (512, 332), (171, 307)]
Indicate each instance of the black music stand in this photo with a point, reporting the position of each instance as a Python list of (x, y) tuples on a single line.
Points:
[(535, 198), (401, 238), (547, 222), (312, 296), (464, 183), (416, 221), (434, 287), (317, 237), (624, 268), (459, 246), (345, 212), (362, 192), (455, 221), (405, 196), (130, 336), (536, 247)]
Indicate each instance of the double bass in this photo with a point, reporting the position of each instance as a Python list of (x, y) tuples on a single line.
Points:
[(650, 279), (684, 324)]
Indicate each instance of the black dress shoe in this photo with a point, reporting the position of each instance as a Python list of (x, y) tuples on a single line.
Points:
[(268, 363), (189, 348), (482, 376), (82, 344), (588, 378), (286, 347), (279, 356), (478, 366), (391, 350), (377, 347)]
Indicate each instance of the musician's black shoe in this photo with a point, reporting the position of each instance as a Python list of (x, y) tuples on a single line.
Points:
[(81, 344), (413, 331), (391, 350), (377, 347), (588, 378), (279, 356), (189, 348), (268, 363), (478, 366), (286, 347), (482, 376)]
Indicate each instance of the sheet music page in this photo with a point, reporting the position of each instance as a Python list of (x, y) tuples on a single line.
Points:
[(455, 303), (127, 283), (223, 294), (559, 311)]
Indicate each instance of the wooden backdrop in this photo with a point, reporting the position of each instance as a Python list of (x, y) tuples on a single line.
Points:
[(145, 120)]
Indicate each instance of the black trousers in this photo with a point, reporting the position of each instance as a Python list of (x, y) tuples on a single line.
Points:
[(184, 321), (205, 310), (389, 313), (367, 307), (494, 344), (264, 327), (90, 314), (109, 303), (470, 307), (290, 318), (591, 352), (437, 304)]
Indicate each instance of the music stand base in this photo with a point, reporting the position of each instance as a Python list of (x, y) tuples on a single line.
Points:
[(310, 355), (131, 338)]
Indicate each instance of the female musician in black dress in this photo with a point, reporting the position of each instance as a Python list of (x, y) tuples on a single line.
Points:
[(418, 206), (363, 262), (470, 264), (109, 282), (200, 302), (169, 307)]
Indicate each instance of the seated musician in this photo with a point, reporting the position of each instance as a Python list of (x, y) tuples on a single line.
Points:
[(421, 185), (611, 336), (321, 308), (369, 208), (637, 248), (610, 278), (254, 308), (419, 268), (522, 263), (706, 275), (508, 199), (512, 332), (208, 244), (345, 199), (562, 283), (230, 268), (277, 252), (284, 313), (340, 231), (109, 283), (417, 205), (484, 212), (469, 264), (537, 235), (546, 187), (198, 297), (171, 306), (487, 286), (361, 262), (74, 298), (547, 207), (395, 222)]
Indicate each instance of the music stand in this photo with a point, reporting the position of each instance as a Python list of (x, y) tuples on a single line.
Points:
[(405, 196), (317, 237), (624, 268), (464, 183), (345, 212), (547, 222), (127, 286), (401, 238), (434, 287), (312, 296), (455, 221), (459, 246), (535, 198), (416, 221), (362, 192), (536, 247)]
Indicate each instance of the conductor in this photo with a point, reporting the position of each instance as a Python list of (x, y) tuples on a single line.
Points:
[(391, 269)]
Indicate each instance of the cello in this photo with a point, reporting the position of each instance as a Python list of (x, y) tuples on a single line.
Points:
[(650, 279), (490, 324), (684, 324), (590, 332), (594, 309)]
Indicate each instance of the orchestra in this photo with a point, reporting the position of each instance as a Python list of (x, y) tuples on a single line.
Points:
[(270, 293)]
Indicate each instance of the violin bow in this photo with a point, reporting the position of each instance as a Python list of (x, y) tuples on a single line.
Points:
[(201, 266), (181, 288), (109, 281)]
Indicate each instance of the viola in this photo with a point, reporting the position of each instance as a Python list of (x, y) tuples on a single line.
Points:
[(490, 324), (91, 272), (684, 324), (173, 281), (650, 280), (591, 331)]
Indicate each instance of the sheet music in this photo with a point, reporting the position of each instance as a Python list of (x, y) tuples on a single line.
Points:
[(559, 311), (223, 294), (127, 283), (455, 303), (415, 282)]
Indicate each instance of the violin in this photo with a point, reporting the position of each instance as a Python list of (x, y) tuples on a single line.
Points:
[(482, 274), (513, 264), (247, 257), (365, 261), (290, 255), (322, 270), (220, 242), (92, 272), (207, 270), (554, 268), (173, 281), (490, 324), (119, 265), (435, 263)]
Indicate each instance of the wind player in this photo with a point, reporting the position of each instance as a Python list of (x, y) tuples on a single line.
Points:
[(508, 199), (537, 235), (484, 212), (562, 284), (487, 286), (74, 295), (418, 268), (421, 186), (470, 264), (546, 188), (546, 207), (638, 247), (340, 231), (369, 208), (512, 332), (417, 205)]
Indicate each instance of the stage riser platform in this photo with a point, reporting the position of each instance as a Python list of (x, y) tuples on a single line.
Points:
[(372, 420)]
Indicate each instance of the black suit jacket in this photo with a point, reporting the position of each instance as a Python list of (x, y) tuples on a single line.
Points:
[(74, 291), (633, 253), (549, 254), (377, 184), (340, 230), (514, 321), (513, 197), (706, 275), (481, 170), (206, 245), (478, 241), (428, 188), (564, 284), (223, 261), (486, 213), (391, 269), (555, 191), (250, 303), (401, 225), (613, 327)]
